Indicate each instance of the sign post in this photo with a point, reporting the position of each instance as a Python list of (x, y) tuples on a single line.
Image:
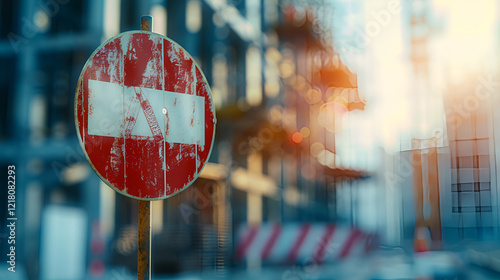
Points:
[(145, 120), (144, 241), (144, 227)]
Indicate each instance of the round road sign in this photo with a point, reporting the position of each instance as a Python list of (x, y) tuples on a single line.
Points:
[(144, 115)]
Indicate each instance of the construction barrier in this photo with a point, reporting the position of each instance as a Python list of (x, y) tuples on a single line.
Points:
[(301, 243)]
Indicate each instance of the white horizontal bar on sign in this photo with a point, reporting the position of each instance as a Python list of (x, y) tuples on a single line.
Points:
[(111, 105), (105, 109)]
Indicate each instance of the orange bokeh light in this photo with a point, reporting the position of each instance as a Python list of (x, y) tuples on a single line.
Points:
[(297, 137)]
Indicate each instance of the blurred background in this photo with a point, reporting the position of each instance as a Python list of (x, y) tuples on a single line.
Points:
[(355, 140)]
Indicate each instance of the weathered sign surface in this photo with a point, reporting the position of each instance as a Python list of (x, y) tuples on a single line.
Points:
[(144, 115)]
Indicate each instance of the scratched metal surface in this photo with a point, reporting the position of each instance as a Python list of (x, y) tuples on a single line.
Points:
[(137, 115)]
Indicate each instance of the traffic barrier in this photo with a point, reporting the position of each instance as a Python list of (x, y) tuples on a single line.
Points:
[(299, 243)]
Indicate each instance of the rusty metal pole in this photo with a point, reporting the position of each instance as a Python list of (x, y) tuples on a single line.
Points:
[(147, 23), (144, 240)]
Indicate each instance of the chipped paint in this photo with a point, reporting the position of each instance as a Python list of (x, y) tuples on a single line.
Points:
[(167, 120), (143, 110), (150, 115), (126, 158)]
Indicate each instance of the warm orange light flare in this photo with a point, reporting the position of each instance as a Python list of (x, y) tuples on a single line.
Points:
[(297, 137)]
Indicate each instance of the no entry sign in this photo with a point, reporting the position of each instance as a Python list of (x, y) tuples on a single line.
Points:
[(144, 115)]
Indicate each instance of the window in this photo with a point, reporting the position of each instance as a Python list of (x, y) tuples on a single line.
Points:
[(58, 75), (471, 186), (9, 11), (65, 17), (7, 75)]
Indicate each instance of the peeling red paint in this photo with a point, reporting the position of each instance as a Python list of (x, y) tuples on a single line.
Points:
[(192, 115), (167, 121), (138, 166)]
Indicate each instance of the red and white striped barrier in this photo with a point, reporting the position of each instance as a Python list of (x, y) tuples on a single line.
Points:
[(299, 243)]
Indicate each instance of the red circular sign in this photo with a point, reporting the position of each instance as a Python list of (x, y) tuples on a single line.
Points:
[(144, 115)]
